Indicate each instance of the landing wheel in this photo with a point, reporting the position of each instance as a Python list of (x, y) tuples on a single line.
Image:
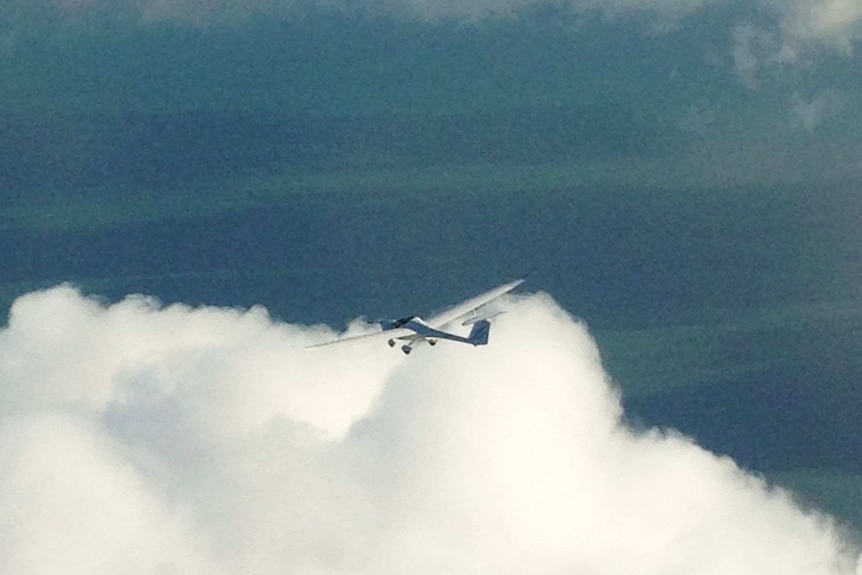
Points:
[(432, 342), (391, 343), (406, 349)]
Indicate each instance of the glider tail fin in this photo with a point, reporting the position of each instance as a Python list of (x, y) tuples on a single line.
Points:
[(479, 333)]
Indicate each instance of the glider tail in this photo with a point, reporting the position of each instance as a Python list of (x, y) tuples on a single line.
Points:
[(479, 333)]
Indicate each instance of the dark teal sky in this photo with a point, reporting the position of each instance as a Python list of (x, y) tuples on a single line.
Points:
[(657, 93)]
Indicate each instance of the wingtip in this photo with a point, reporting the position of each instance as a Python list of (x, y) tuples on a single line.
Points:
[(515, 283)]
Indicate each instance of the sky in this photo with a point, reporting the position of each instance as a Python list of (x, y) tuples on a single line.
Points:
[(191, 191), (659, 93)]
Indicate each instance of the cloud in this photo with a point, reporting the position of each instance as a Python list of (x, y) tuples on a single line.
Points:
[(143, 439), (833, 22), (810, 113), (72, 502), (794, 33)]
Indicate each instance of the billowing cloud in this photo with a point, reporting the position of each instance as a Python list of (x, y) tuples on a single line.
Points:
[(143, 439), (73, 501)]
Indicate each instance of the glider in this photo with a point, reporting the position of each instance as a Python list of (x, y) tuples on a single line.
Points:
[(413, 329)]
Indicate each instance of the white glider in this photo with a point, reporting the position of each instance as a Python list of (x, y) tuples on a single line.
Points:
[(414, 329)]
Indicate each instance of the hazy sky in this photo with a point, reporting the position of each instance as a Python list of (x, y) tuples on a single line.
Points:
[(650, 91)]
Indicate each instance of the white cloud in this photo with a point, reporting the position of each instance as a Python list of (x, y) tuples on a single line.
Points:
[(70, 502), (135, 438)]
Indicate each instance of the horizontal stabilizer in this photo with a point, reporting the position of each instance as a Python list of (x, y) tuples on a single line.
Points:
[(473, 320)]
